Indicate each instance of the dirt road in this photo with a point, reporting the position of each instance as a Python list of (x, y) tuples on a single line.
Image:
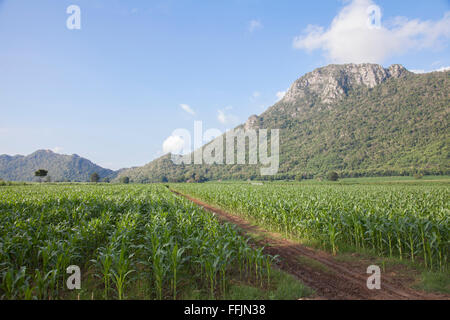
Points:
[(331, 279)]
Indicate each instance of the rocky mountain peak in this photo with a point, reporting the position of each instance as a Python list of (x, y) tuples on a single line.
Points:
[(252, 122), (334, 81)]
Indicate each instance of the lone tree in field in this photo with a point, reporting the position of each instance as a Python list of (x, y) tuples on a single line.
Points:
[(41, 173), (332, 176), (95, 177), (125, 180)]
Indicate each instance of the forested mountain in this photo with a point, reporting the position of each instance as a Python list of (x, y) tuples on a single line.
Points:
[(357, 120), (60, 167)]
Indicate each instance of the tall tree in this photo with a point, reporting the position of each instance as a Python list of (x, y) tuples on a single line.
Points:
[(41, 173), (95, 177)]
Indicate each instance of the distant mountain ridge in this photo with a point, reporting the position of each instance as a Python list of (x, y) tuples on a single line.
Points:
[(60, 167), (356, 119)]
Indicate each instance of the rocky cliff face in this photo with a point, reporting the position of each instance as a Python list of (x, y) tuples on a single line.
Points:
[(324, 87), (252, 122), (332, 82)]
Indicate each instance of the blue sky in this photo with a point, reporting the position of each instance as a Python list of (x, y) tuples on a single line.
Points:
[(115, 90)]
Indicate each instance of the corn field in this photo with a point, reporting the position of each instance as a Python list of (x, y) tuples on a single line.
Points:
[(407, 222), (122, 237)]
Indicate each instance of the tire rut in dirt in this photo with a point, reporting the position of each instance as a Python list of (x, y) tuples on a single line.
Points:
[(338, 281)]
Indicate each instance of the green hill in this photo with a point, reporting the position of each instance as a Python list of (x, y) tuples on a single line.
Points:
[(60, 167), (358, 120)]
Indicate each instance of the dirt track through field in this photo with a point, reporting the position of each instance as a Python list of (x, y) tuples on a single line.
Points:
[(331, 279)]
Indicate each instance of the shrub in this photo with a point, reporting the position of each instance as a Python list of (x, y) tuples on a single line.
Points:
[(332, 176)]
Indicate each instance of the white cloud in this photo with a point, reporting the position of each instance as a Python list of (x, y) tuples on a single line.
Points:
[(173, 144), (436, 63), (187, 108), (443, 69), (280, 95), (351, 39), (254, 25), (57, 149), (221, 117), (225, 117), (255, 96)]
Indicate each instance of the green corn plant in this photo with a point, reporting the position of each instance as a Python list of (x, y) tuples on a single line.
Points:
[(176, 261), (104, 261), (121, 268), (13, 282), (43, 282)]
